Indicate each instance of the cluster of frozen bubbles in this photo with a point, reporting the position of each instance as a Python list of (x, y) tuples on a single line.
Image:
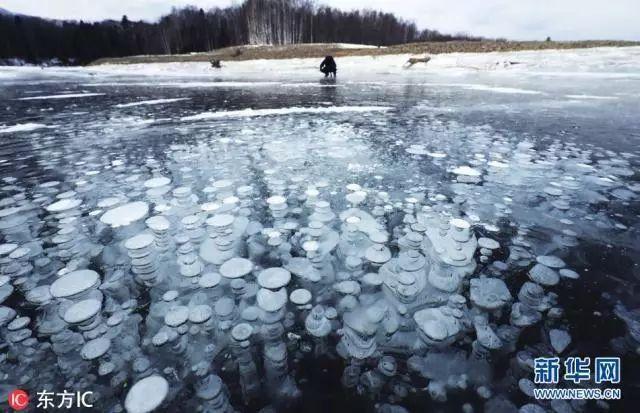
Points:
[(184, 273)]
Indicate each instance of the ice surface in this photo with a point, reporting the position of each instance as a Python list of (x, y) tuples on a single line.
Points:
[(429, 220)]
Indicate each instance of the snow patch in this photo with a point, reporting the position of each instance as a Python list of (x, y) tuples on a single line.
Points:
[(65, 96), (591, 97), (489, 88), (21, 127), (248, 113), (149, 102)]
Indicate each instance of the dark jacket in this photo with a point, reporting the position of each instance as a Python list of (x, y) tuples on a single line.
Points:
[(328, 65)]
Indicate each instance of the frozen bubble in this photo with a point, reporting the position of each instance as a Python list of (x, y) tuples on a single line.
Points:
[(372, 279), (526, 386), (176, 316), (220, 220), (356, 197), (82, 311), (126, 214), (271, 301), (533, 408), (39, 295), (210, 207), (139, 241), (350, 287), (300, 296), (489, 293), (146, 395), (161, 337), (437, 155), (560, 340), (310, 246), (491, 228), (209, 280), (95, 348), (6, 314), (417, 150), (223, 184), (550, 190), (108, 202), (436, 325), (498, 164), (460, 223), (544, 275), (18, 323), (210, 387), (74, 283), (115, 319), (157, 182), (568, 273), (242, 332), (64, 205), (353, 220), (623, 194), (250, 313), (19, 253), (378, 237), (488, 243), (274, 278), (200, 313), (466, 171), (6, 249), (170, 295), (276, 200), (551, 261), (224, 307), (231, 200), (158, 223), (106, 368), (236, 268)]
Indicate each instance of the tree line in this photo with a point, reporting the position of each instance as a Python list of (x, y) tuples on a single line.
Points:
[(190, 29)]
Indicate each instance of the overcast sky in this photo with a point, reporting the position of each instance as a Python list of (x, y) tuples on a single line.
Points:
[(513, 19)]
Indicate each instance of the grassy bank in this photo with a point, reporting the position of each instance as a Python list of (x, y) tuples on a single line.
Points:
[(319, 50)]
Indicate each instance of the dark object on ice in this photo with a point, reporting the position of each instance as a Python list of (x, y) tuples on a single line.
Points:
[(328, 66), (413, 60), (215, 63)]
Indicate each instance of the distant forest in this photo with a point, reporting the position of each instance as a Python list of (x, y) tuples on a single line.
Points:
[(187, 30)]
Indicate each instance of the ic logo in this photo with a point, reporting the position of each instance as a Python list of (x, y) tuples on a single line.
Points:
[(18, 399)]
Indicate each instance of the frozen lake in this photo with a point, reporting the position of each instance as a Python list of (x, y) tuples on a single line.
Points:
[(434, 229)]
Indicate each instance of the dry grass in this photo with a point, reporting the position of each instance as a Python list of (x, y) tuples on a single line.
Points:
[(320, 50)]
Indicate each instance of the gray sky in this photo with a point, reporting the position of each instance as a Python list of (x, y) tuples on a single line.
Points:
[(513, 19)]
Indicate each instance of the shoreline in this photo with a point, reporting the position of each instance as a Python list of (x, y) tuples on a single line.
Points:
[(301, 51)]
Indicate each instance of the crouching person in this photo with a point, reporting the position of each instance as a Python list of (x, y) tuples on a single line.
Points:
[(328, 66)]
